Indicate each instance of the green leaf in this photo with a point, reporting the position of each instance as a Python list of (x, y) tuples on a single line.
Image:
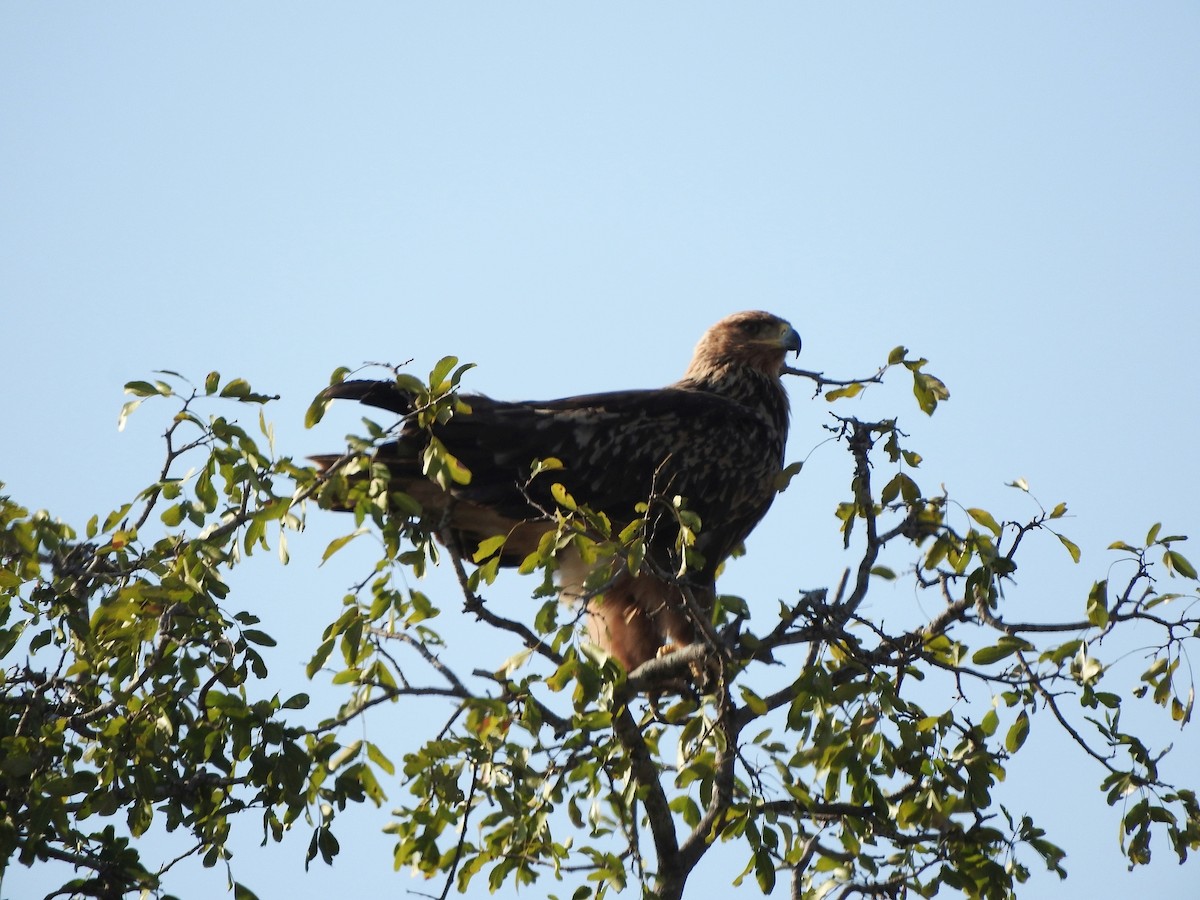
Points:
[(549, 464), (900, 485), (929, 391), (991, 721), (439, 372), (488, 547), (443, 466), (897, 355), (1178, 562), (146, 389), (937, 552), (561, 497), (1097, 604), (241, 892), (1182, 712), (237, 389), (1072, 548), (459, 372), (1005, 647), (206, 493), (319, 658), (1017, 733), (338, 543), (376, 756), (987, 655), (850, 390), (316, 410), (328, 845), (764, 870), (1152, 534), (755, 703), (984, 518), (126, 412), (784, 478), (1156, 670)]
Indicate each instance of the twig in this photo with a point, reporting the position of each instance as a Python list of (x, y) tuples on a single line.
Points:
[(468, 805), (474, 604), (822, 381)]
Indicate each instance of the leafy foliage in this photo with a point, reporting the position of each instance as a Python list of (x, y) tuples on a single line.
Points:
[(832, 750)]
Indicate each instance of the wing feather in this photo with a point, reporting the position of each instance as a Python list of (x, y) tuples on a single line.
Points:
[(715, 438)]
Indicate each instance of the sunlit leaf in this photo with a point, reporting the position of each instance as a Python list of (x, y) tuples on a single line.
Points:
[(126, 411), (316, 410), (338, 543), (488, 546), (439, 372), (561, 497), (985, 518), (1072, 548), (929, 391), (850, 390), (238, 388)]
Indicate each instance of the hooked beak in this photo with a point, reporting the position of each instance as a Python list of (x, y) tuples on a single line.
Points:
[(790, 340)]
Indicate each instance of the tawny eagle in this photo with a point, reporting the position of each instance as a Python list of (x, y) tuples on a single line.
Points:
[(715, 439)]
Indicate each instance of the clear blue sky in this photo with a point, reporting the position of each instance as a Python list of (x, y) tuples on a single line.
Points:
[(275, 189)]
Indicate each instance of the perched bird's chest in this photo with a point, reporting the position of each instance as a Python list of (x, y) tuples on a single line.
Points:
[(726, 469)]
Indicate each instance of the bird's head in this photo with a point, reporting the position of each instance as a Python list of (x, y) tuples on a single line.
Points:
[(754, 339)]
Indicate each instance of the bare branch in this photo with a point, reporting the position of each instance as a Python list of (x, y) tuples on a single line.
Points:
[(822, 382)]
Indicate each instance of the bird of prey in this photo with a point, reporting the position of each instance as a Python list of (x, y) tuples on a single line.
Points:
[(710, 445)]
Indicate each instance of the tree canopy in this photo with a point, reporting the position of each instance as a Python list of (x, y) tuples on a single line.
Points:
[(843, 753)]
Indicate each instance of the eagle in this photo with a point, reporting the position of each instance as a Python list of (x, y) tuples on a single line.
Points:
[(704, 455)]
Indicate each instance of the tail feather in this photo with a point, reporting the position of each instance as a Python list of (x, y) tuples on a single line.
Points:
[(380, 394)]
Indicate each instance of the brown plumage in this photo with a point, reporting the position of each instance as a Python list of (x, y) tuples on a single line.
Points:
[(714, 438)]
